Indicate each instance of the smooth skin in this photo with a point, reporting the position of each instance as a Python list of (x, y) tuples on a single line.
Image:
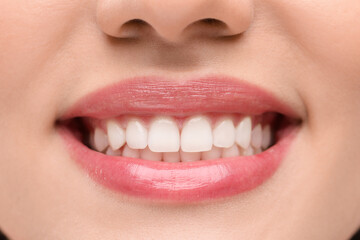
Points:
[(54, 52)]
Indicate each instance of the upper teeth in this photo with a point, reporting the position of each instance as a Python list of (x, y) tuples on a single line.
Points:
[(196, 135), (256, 136), (196, 140), (224, 133), (243, 133), (136, 135), (164, 136), (116, 135), (100, 139)]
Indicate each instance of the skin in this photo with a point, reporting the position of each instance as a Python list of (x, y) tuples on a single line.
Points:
[(56, 51)]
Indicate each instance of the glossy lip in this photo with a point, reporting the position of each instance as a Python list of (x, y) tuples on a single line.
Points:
[(157, 95), (178, 182)]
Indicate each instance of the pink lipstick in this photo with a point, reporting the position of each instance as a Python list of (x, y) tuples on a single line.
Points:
[(180, 181)]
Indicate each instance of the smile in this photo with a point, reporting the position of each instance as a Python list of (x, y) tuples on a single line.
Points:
[(179, 141)]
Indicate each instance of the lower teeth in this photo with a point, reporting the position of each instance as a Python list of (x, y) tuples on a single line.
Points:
[(214, 153)]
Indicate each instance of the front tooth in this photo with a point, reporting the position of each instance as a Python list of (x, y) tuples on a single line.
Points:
[(256, 136), (214, 153), (224, 133), (243, 133), (232, 151), (171, 156), (129, 152), (266, 137), (190, 156), (196, 135), (164, 136), (100, 140), (116, 135), (147, 154), (136, 135)]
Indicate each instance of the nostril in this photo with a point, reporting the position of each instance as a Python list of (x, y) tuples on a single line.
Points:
[(210, 27), (133, 28), (212, 22), (136, 22)]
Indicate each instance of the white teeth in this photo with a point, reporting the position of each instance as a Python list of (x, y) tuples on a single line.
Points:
[(136, 135), (224, 133), (164, 136), (257, 150), (100, 140), (111, 152), (171, 156), (248, 152), (116, 135), (266, 137), (197, 141), (147, 154), (129, 152), (190, 156), (232, 151), (214, 153), (243, 133), (196, 135), (256, 136)]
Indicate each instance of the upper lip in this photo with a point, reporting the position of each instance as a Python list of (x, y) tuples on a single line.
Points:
[(157, 95)]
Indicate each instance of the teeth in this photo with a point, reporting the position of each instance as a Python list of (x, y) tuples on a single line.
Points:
[(257, 150), (243, 133), (111, 152), (248, 151), (136, 135), (116, 135), (129, 152), (224, 133), (266, 137), (214, 153), (197, 141), (171, 156), (256, 136), (196, 135), (190, 156), (232, 151), (100, 140), (164, 136), (147, 154)]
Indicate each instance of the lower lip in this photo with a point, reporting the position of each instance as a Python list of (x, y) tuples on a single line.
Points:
[(180, 182)]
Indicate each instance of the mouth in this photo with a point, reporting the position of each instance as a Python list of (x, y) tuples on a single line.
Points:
[(179, 141)]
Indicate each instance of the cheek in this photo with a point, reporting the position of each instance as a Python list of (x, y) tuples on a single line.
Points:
[(32, 32), (328, 31), (327, 34), (33, 36)]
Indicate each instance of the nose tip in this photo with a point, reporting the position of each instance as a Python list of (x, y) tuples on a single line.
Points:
[(172, 19)]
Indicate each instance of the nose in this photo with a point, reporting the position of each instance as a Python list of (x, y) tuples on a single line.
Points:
[(172, 19)]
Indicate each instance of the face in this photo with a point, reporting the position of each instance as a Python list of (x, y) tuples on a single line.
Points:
[(55, 54)]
